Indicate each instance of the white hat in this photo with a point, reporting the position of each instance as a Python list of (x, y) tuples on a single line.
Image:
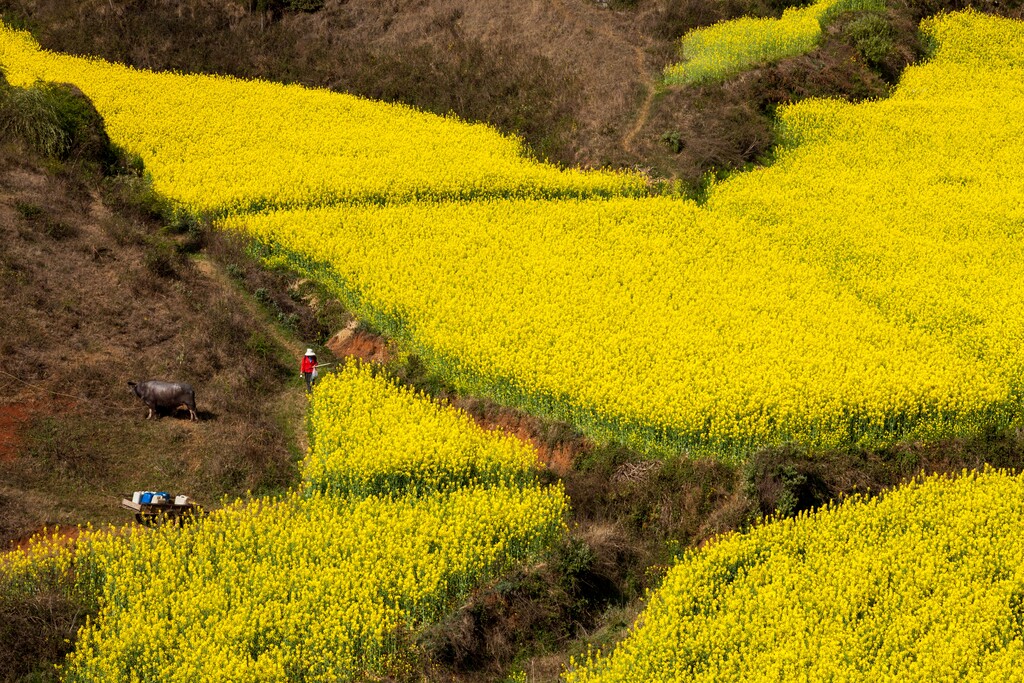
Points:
[(309, 352)]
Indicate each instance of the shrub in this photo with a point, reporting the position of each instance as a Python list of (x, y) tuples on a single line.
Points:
[(305, 5), (30, 114), (28, 211), (160, 259), (675, 141), (872, 35), (59, 230), (276, 6), (56, 120)]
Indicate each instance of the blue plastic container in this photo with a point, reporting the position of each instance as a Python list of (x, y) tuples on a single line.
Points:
[(147, 497)]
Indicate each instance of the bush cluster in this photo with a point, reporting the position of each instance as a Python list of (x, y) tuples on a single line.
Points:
[(56, 120)]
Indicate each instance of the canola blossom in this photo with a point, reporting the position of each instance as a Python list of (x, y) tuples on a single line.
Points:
[(868, 287), (216, 144), (308, 588), (728, 47), (446, 450), (314, 586), (925, 583)]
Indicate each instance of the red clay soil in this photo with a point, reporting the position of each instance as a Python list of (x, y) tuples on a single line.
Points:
[(12, 418), (369, 348), (556, 457), (66, 535)]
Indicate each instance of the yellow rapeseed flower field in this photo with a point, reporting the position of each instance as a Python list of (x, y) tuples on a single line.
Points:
[(216, 144), (728, 47), (446, 450), (864, 288), (867, 287), (925, 583), (316, 585), (308, 588)]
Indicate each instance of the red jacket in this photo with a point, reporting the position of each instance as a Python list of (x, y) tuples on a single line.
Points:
[(308, 363)]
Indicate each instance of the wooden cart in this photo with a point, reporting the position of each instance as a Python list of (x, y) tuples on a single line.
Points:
[(154, 514)]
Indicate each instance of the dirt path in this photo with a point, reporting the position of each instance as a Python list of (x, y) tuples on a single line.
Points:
[(614, 35), (212, 271), (296, 406), (645, 107)]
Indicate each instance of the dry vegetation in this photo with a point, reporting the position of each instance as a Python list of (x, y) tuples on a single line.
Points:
[(96, 289)]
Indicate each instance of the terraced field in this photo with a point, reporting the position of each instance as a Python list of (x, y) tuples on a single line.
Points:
[(727, 48), (863, 290), (217, 144)]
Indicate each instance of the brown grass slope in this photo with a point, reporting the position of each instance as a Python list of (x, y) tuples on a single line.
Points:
[(96, 290)]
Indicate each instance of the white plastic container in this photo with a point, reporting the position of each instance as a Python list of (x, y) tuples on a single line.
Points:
[(137, 497), (159, 499), (181, 500)]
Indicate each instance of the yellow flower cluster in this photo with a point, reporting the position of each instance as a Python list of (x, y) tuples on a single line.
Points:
[(313, 586), (216, 144), (446, 450), (307, 588), (925, 583), (728, 47), (865, 288)]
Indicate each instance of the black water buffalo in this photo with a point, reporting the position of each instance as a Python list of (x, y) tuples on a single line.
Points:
[(157, 394)]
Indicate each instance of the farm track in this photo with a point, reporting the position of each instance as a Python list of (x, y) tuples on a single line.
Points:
[(215, 273), (645, 107)]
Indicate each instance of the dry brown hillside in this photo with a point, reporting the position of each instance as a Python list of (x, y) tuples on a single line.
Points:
[(96, 290)]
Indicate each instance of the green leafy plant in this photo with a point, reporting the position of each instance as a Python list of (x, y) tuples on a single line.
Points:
[(872, 35), (674, 140)]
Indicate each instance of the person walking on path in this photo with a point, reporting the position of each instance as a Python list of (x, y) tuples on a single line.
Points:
[(309, 369)]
